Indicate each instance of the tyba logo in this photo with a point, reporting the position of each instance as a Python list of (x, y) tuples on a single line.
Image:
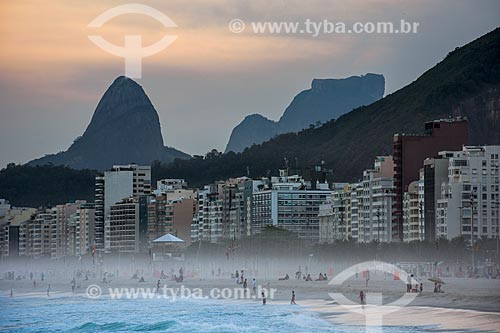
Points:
[(132, 51)]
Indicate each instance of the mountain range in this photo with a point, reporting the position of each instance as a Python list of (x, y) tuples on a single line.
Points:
[(327, 99), (124, 129), (465, 83)]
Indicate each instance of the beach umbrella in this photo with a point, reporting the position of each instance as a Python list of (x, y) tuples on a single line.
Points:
[(436, 280)]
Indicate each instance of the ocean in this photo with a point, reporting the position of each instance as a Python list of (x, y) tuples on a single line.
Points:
[(80, 314)]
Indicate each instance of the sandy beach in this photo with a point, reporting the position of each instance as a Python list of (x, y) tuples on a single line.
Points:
[(472, 304)]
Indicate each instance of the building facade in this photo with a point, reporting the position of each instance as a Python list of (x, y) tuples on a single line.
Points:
[(376, 201), (335, 216), (128, 225), (35, 235), (288, 203), (122, 181), (411, 150), (469, 201)]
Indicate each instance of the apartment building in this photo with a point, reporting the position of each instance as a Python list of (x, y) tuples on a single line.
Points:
[(469, 200)]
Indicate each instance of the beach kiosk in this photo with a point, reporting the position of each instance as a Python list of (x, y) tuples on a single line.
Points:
[(168, 247)]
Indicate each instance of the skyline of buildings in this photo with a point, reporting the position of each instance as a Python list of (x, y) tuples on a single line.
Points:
[(452, 193)]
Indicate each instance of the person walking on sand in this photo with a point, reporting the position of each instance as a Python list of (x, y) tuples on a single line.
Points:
[(293, 297), (254, 286), (362, 299), (263, 299), (48, 290), (367, 277)]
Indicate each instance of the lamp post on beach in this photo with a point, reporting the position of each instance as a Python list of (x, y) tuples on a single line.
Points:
[(472, 229)]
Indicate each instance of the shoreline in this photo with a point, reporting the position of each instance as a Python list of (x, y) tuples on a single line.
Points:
[(467, 304)]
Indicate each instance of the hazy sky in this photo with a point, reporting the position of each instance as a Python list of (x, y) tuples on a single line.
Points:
[(209, 79)]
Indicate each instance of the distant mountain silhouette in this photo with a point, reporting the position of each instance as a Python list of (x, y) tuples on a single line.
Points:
[(125, 128), (466, 83), (326, 100)]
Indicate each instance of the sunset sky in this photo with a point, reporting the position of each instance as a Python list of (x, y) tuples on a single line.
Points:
[(209, 79)]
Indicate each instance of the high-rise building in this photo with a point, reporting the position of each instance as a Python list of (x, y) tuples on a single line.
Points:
[(435, 172), (128, 225), (10, 225), (59, 229), (99, 213), (376, 201), (207, 224), (171, 215), (411, 150), (236, 193), (35, 235), (289, 204), (412, 214), (356, 209), (81, 230), (361, 211), (335, 216), (122, 181), (469, 203)]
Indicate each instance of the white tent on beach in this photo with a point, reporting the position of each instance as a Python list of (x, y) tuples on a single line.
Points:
[(167, 247), (168, 238)]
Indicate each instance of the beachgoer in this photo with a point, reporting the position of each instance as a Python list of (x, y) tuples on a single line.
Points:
[(362, 298), (286, 277), (254, 286), (293, 297), (421, 287), (367, 277), (48, 290), (263, 299)]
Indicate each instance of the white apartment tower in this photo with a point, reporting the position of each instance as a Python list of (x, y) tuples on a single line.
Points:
[(469, 203)]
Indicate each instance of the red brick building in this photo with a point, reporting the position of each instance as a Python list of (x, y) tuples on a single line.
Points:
[(410, 151)]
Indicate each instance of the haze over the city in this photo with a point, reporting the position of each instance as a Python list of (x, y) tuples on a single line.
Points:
[(209, 79)]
